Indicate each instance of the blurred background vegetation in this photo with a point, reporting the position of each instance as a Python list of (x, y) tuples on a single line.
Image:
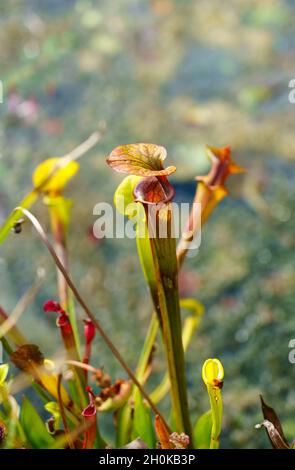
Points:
[(180, 73)]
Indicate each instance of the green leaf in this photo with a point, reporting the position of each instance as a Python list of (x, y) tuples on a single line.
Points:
[(124, 193), (124, 203), (123, 197), (53, 408), (124, 425), (34, 428), (146, 260), (143, 424), (202, 431)]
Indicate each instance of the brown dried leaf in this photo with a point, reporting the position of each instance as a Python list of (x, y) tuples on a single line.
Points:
[(27, 356), (269, 414), (162, 434), (275, 438)]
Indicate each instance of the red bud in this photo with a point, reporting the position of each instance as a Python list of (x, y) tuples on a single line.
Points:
[(62, 322), (89, 331), (52, 306)]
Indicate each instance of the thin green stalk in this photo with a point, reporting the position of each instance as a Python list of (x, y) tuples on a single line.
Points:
[(147, 348), (216, 407), (7, 348), (14, 334), (124, 425)]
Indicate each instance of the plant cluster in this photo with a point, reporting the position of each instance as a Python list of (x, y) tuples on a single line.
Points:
[(76, 394)]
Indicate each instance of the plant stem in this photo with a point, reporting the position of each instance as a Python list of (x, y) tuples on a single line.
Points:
[(216, 407), (59, 211), (59, 231), (63, 414), (202, 197), (168, 311)]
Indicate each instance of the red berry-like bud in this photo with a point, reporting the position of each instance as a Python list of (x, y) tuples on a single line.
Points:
[(52, 306), (89, 331)]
